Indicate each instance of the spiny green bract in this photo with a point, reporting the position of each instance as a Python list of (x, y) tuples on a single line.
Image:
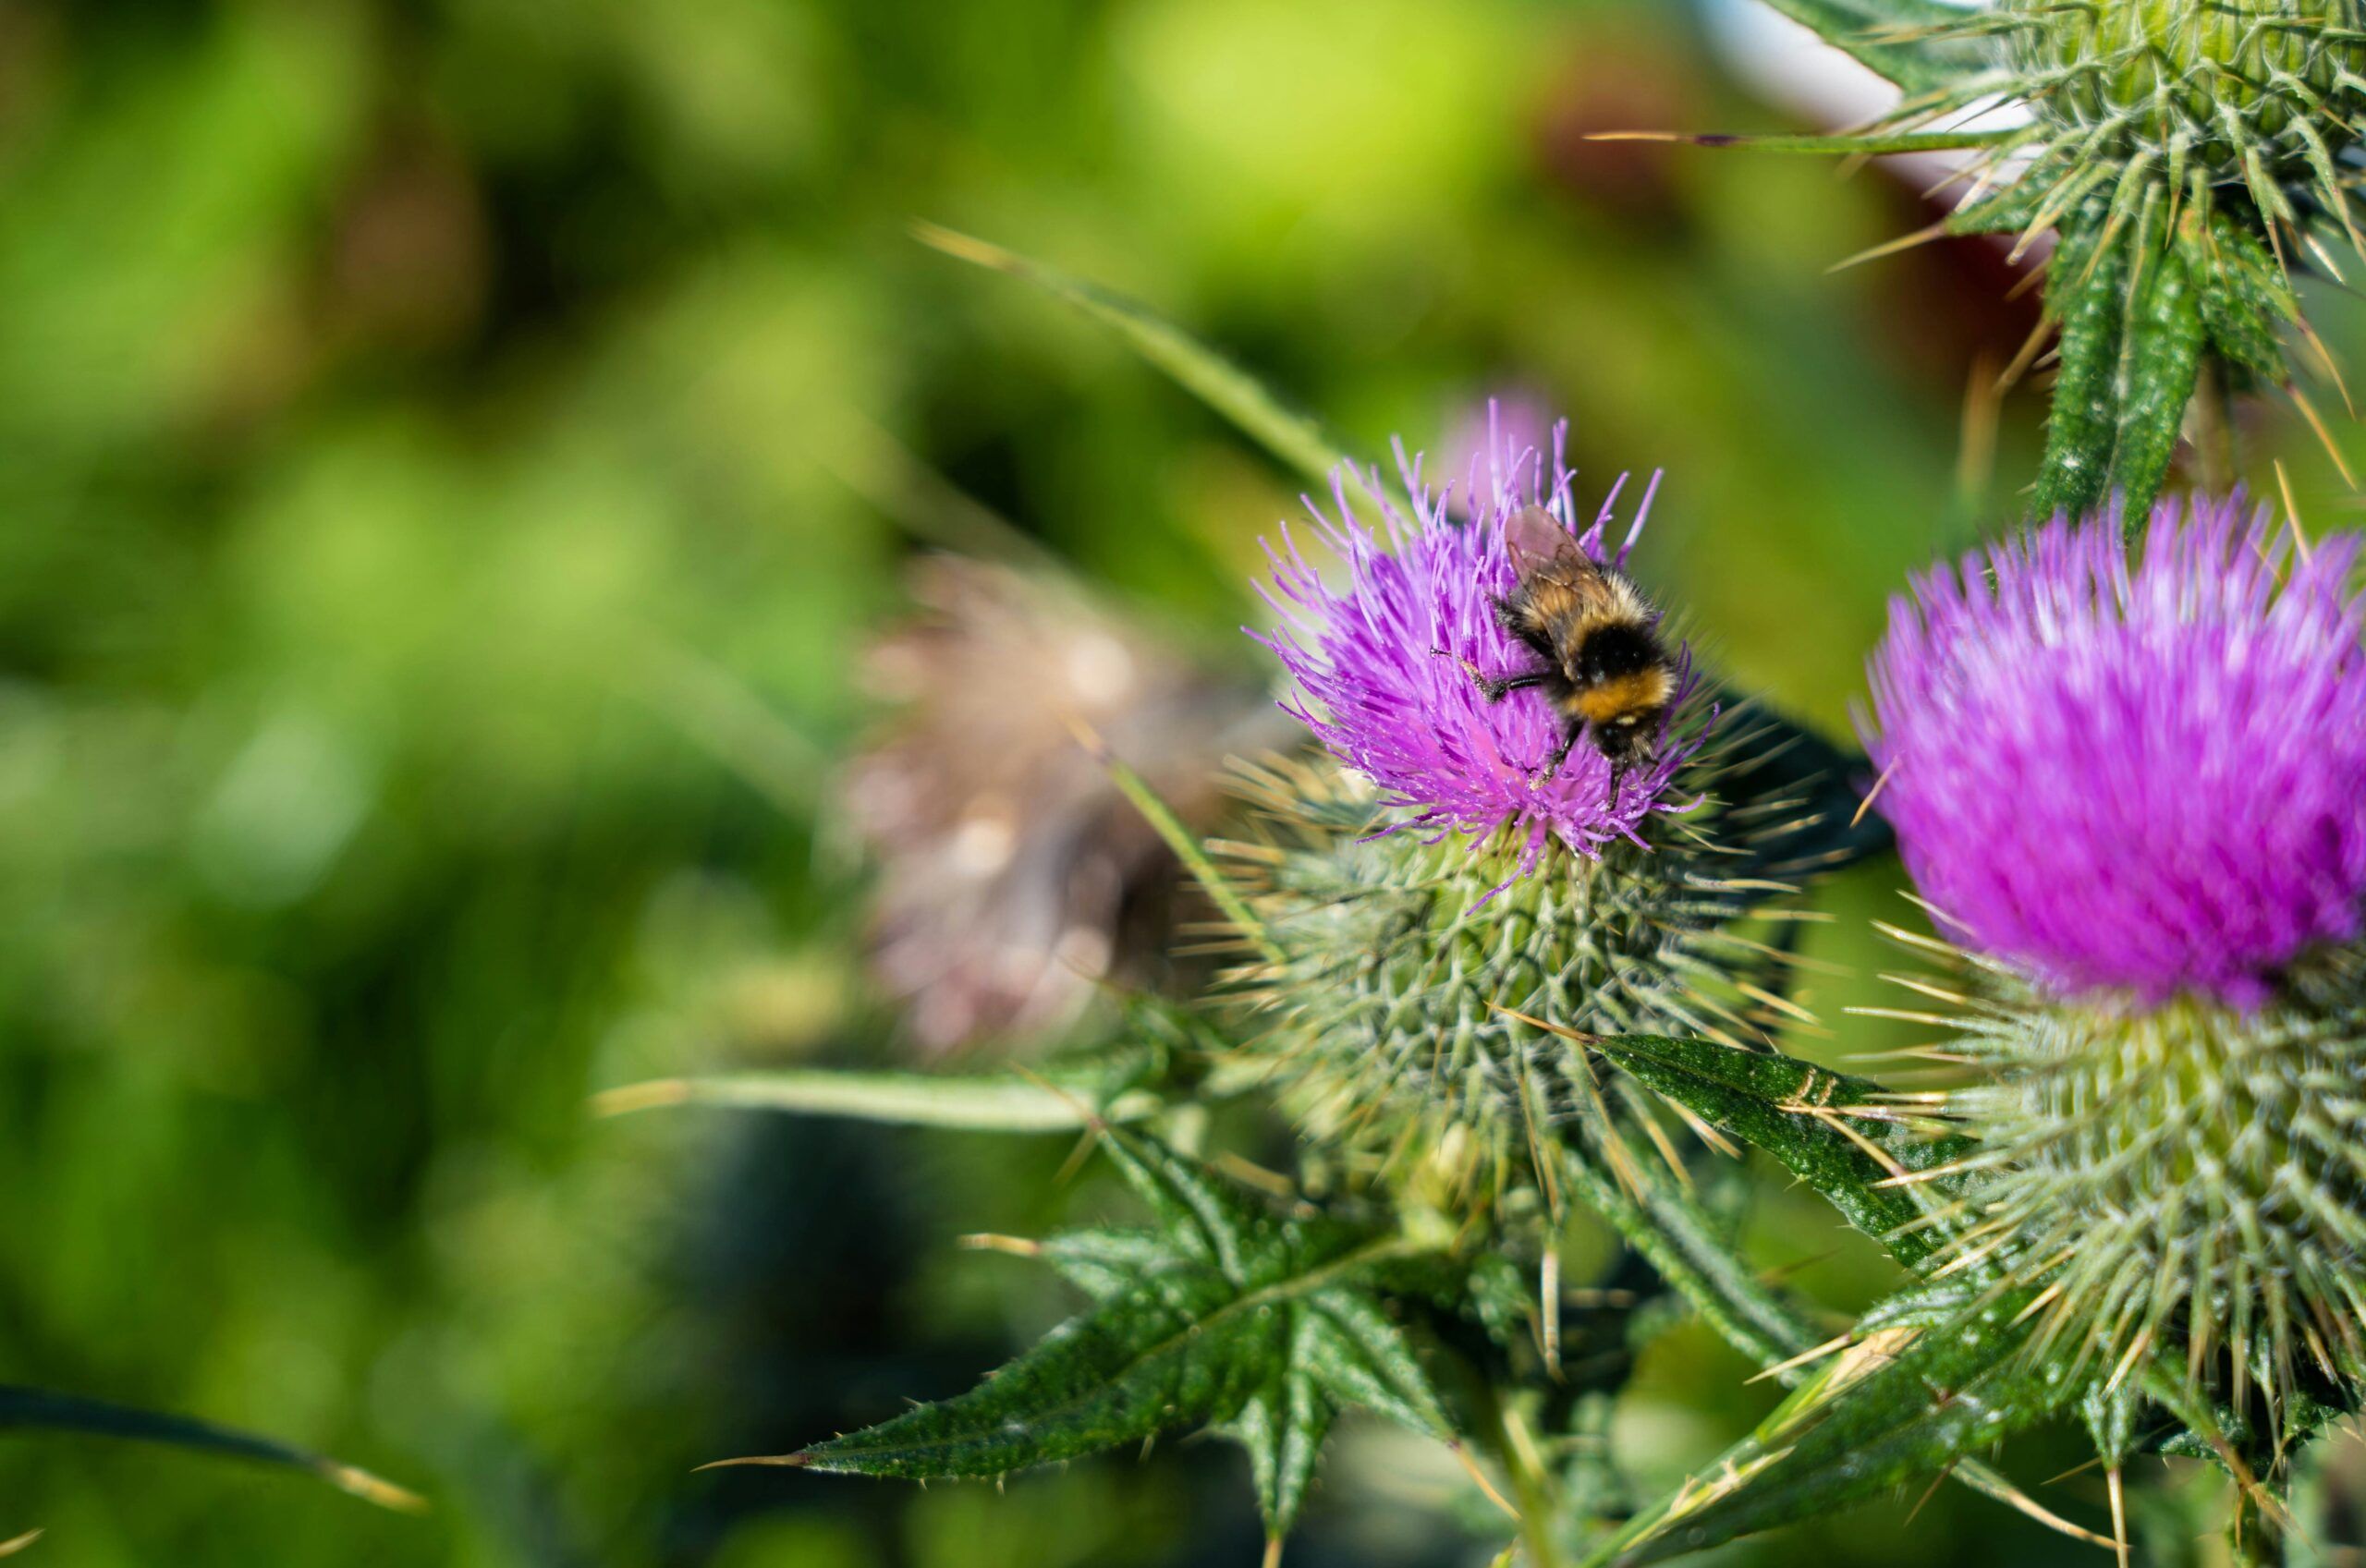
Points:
[(2186, 154), (2216, 81), (1405, 1018), (2187, 1184), (2184, 150)]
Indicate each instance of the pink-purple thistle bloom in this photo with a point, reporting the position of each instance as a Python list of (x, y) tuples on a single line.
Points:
[(1378, 663), (2137, 779)]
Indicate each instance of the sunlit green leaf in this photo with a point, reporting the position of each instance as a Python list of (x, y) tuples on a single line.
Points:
[(1882, 1414), (1907, 41), (1102, 1260)]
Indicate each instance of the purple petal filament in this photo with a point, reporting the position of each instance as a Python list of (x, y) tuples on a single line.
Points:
[(1378, 672), (2145, 780)]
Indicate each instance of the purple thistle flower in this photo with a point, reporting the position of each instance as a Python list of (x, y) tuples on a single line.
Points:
[(2143, 780), (1379, 681)]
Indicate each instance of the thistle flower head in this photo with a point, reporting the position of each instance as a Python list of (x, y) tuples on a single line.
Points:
[(1419, 989), (2141, 778), (1384, 666), (2134, 790)]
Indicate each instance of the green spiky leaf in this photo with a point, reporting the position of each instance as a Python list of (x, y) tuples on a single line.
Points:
[(26, 1409), (1838, 1133), (1296, 438), (1283, 1426), (1842, 1136), (2210, 1429), (1101, 1260), (1880, 1416), (1915, 44), (1834, 144), (1695, 1255), (1234, 1310)]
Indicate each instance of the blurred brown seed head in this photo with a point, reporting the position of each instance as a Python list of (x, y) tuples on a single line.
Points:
[(1014, 879)]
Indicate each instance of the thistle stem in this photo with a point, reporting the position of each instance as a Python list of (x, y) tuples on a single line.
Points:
[(1533, 1492), (2252, 1539)]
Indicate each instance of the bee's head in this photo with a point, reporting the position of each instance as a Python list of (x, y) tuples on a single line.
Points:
[(1626, 738)]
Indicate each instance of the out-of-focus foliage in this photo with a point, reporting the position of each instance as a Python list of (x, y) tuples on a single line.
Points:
[(449, 452)]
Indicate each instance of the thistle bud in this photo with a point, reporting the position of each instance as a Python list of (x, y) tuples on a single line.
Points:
[(2217, 82), (2183, 154)]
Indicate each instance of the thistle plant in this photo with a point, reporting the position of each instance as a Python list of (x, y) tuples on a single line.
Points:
[(1418, 997), (2185, 158), (2133, 793), (1487, 983), (1443, 918), (2129, 790)]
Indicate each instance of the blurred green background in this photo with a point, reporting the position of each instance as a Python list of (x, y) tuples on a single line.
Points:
[(451, 451)]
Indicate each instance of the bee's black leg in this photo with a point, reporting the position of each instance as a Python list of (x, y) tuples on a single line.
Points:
[(1553, 767), (1494, 687)]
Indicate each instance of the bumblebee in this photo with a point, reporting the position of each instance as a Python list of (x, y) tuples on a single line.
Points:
[(1604, 672)]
